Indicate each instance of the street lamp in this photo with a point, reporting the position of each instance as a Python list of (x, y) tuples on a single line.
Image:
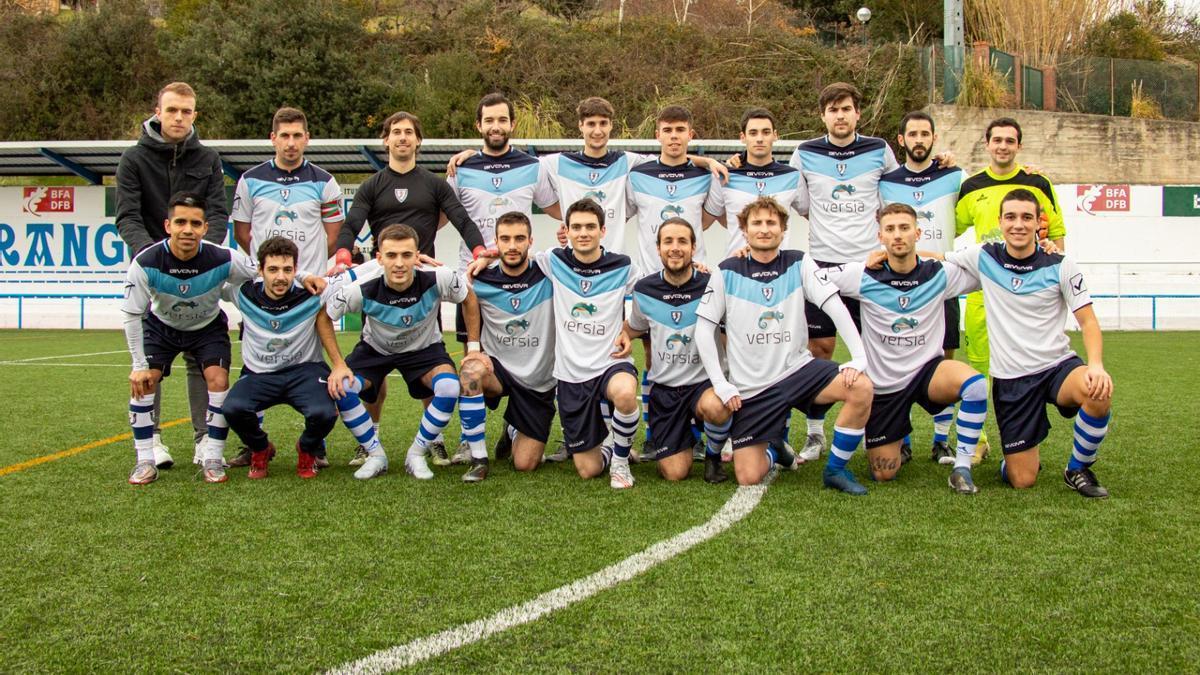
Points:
[(864, 15)]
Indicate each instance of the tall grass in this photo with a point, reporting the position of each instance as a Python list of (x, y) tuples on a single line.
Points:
[(1038, 30)]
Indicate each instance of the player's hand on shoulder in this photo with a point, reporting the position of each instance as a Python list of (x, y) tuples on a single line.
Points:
[(478, 265), (315, 284), (945, 159), (875, 259), (342, 261), (456, 161), (742, 252), (734, 161), (719, 170), (427, 261), (700, 267), (561, 235)]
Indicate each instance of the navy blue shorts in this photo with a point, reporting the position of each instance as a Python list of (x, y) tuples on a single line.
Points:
[(209, 345), (819, 323), (889, 419), (529, 412), (302, 386), (671, 411), (373, 366), (1020, 405), (579, 409), (763, 417), (950, 340)]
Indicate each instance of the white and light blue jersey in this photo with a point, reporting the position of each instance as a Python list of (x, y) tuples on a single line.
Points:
[(933, 194), (1028, 301), (746, 184), (589, 308), (575, 176), (668, 313), (279, 333), (903, 315), (490, 186), (518, 323), (762, 305), (842, 184), (183, 294), (292, 204), (395, 322), (657, 192)]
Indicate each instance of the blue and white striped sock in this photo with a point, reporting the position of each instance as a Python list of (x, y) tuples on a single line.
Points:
[(1089, 433), (646, 403), (218, 428), (141, 421), (473, 415), (354, 415), (606, 454), (717, 435), (971, 416), (437, 415), (262, 416), (624, 426), (845, 442), (941, 424)]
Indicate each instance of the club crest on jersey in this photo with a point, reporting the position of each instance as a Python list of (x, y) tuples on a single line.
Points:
[(841, 169), (585, 285), (671, 189), (184, 288), (401, 194), (904, 301), (676, 316), (760, 185), (768, 293), (497, 181), (275, 324), (515, 302), (406, 320), (593, 176), (285, 193), (918, 195), (1017, 282)]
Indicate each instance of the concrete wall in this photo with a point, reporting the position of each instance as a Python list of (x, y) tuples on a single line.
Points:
[(1076, 148)]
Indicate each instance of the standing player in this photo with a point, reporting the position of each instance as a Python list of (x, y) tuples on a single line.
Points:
[(1029, 293), (761, 298), (840, 173), (171, 295), (167, 159), (289, 197), (903, 317), (671, 186), (664, 306), (404, 193), (282, 333), (932, 191), (401, 332), (757, 174), (979, 207), (590, 285), (517, 340)]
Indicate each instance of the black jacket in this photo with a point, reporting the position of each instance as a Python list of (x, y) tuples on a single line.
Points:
[(153, 170)]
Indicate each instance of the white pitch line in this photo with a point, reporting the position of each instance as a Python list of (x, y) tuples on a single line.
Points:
[(65, 356), (422, 649)]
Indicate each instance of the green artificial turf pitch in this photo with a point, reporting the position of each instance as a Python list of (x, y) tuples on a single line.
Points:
[(291, 575)]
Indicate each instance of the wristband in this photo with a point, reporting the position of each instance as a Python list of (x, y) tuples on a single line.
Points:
[(478, 251), (473, 346), (343, 257)]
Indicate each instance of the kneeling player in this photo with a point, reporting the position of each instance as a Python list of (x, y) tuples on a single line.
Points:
[(1028, 294), (515, 355), (179, 280), (761, 299), (664, 305), (589, 300), (903, 319), (401, 332), (281, 360)]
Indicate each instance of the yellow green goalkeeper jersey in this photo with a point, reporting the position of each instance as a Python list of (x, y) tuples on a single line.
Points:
[(979, 203)]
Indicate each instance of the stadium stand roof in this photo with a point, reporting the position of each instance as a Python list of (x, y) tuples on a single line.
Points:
[(93, 160)]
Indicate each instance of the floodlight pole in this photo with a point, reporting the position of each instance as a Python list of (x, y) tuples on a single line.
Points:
[(954, 47)]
